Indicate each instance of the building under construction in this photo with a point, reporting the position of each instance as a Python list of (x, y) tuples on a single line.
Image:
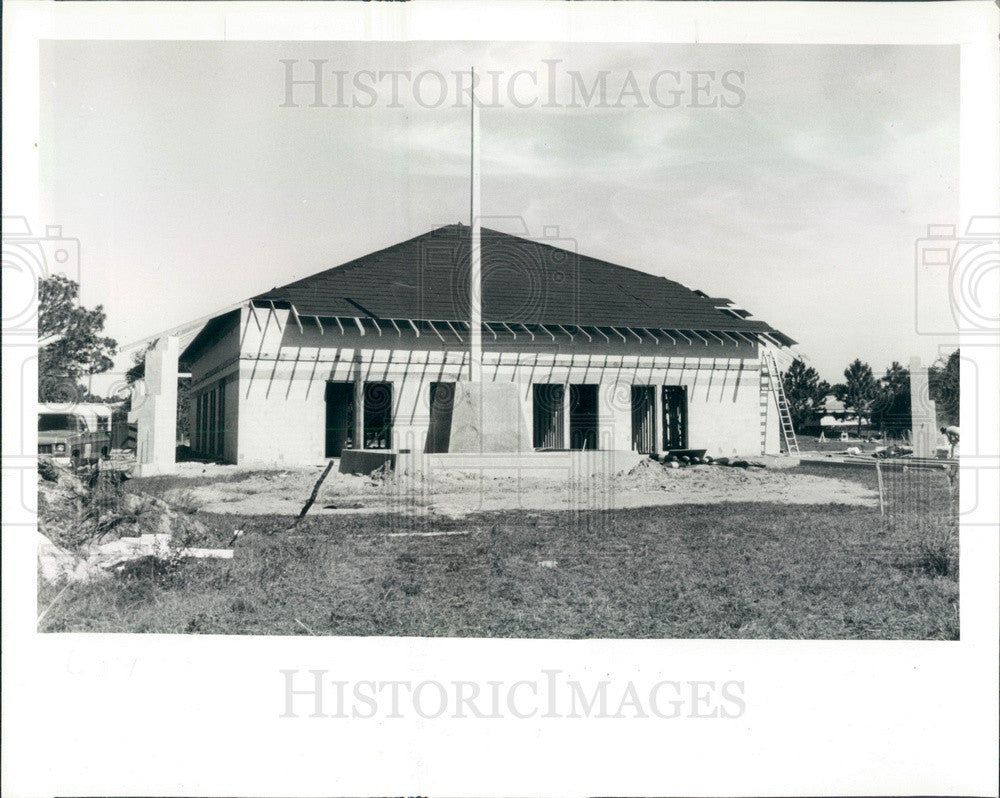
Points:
[(575, 353)]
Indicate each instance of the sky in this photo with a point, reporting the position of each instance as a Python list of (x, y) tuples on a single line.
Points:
[(794, 180)]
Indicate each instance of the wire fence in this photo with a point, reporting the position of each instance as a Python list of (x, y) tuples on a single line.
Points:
[(912, 487), (922, 497)]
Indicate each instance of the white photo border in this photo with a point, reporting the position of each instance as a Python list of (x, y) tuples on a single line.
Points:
[(199, 715)]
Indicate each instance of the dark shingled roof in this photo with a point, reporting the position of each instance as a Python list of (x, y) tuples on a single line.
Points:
[(524, 281)]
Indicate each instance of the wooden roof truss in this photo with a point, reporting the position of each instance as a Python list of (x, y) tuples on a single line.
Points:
[(657, 336)]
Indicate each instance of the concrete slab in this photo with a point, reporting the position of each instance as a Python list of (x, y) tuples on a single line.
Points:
[(527, 465)]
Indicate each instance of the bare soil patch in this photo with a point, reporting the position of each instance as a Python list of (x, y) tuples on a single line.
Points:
[(227, 489)]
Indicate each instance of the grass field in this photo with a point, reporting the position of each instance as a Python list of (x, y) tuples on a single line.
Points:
[(712, 571)]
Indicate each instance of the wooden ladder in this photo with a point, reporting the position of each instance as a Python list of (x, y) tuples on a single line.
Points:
[(775, 388)]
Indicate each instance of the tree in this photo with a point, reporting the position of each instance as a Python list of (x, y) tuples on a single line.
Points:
[(945, 383), (137, 370), (804, 391), (859, 391), (891, 408), (73, 345)]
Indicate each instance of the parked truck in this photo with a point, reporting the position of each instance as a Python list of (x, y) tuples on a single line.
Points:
[(69, 436)]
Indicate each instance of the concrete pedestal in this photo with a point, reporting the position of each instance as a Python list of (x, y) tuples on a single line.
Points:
[(487, 417), (154, 410), (924, 429)]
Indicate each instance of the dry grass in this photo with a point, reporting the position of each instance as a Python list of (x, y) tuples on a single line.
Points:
[(713, 571)]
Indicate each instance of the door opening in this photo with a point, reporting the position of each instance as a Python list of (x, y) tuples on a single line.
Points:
[(547, 413), (643, 419), (675, 421), (339, 417), (583, 416), (442, 402), (378, 415)]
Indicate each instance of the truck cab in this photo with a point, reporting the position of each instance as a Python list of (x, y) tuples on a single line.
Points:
[(67, 436)]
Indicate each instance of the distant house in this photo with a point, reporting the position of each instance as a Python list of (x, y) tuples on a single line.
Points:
[(835, 414), (368, 355), (832, 406)]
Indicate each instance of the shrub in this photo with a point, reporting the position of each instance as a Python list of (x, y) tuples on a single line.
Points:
[(184, 502)]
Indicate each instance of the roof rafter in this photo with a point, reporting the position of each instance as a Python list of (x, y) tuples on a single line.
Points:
[(277, 321), (436, 330), (298, 321), (638, 337), (253, 313)]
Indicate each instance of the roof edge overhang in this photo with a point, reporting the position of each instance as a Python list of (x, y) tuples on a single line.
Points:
[(755, 332), (214, 327)]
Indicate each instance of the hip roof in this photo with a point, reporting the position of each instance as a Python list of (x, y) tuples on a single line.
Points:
[(524, 281)]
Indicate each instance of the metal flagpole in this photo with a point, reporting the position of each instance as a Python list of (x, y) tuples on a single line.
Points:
[(475, 264)]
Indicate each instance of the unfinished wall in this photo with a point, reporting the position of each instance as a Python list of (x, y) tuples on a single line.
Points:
[(219, 362), (232, 418), (283, 401), (285, 363)]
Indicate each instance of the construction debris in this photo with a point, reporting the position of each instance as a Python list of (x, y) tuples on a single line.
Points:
[(56, 564), (90, 529), (673, 460)]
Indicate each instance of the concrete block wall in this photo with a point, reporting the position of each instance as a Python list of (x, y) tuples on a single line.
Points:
[(773, 443), (217, 359), (723, 414), (220, 362), (283, 369), (232, 418), (283, 402)]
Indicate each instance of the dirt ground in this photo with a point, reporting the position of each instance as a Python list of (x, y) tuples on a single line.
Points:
[(455, 494)]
